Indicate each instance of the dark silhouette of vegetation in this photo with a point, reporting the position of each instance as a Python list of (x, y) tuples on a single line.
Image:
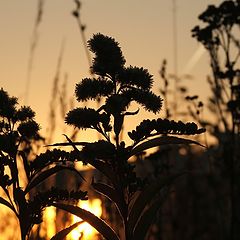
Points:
[(219, 37), (210, 197), (18, 131), (82, 27), (119, 86)]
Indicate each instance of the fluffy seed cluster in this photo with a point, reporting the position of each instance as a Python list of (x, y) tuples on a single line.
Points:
[(108, 58), (150, 101), (136, 76), (28, 129), (7, 104), (25, 113), (51, 156), (148, 128), (91, 88), (22, 118), (117, 84), (47, 198), (117, 103), (83, 118)]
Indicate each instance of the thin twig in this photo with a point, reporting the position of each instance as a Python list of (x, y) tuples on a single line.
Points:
[(34, 42)]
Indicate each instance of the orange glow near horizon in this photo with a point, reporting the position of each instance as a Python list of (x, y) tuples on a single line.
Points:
[(49, 223), (84, 230), (146, 46)]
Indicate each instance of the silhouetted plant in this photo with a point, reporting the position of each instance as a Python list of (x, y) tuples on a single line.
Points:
[(119, 86), (18, 130), (33, 46), (82, 27), (219, 37)]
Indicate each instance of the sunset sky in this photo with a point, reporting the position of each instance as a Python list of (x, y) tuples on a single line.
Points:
[(144, 30)]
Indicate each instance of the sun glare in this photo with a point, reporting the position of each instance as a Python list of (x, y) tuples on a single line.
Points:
[(49, 220), (84, 230)]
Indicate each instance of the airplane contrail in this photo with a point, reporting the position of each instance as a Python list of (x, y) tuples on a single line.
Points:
[(194, 59)]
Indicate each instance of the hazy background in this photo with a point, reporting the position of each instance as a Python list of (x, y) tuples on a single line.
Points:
[(144, 30)]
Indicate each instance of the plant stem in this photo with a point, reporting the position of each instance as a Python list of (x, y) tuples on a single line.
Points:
[(81, 28)]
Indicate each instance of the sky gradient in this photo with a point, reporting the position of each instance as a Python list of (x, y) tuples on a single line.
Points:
[(144, 30)]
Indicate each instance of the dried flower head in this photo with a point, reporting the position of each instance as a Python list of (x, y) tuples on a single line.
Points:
[(108, 58), (92, 88), (28, 129), (136, 76), (25, 113), (7, 104), (83, 118)]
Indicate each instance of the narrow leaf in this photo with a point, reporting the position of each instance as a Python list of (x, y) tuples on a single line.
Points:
[(72, 143), (105, 169), (111, 194), (67, 144), (6, 203), (132, 113), (102, 227), (163, 140), (47, 173), (63, 233), (147, 194), (146, 220)]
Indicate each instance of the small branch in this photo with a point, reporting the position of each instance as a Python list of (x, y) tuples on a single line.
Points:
[(76, 14)]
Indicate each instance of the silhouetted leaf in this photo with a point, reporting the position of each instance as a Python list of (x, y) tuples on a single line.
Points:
[(6, 203), (105, 169), (112, 194), (132, 113), (63, 233), (47, 173), (147, 194), (67, 144), (72, 143), (89, 217), (146, 220), (163, 140)]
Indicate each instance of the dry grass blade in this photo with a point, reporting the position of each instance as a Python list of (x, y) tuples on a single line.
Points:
[(34, 42)]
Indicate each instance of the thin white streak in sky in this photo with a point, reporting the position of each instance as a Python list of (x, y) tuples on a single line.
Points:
[(194, 59)]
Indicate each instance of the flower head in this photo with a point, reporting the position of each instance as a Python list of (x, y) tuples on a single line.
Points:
[(92, 88), (83, 118), (135, 76), (108, 58)]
